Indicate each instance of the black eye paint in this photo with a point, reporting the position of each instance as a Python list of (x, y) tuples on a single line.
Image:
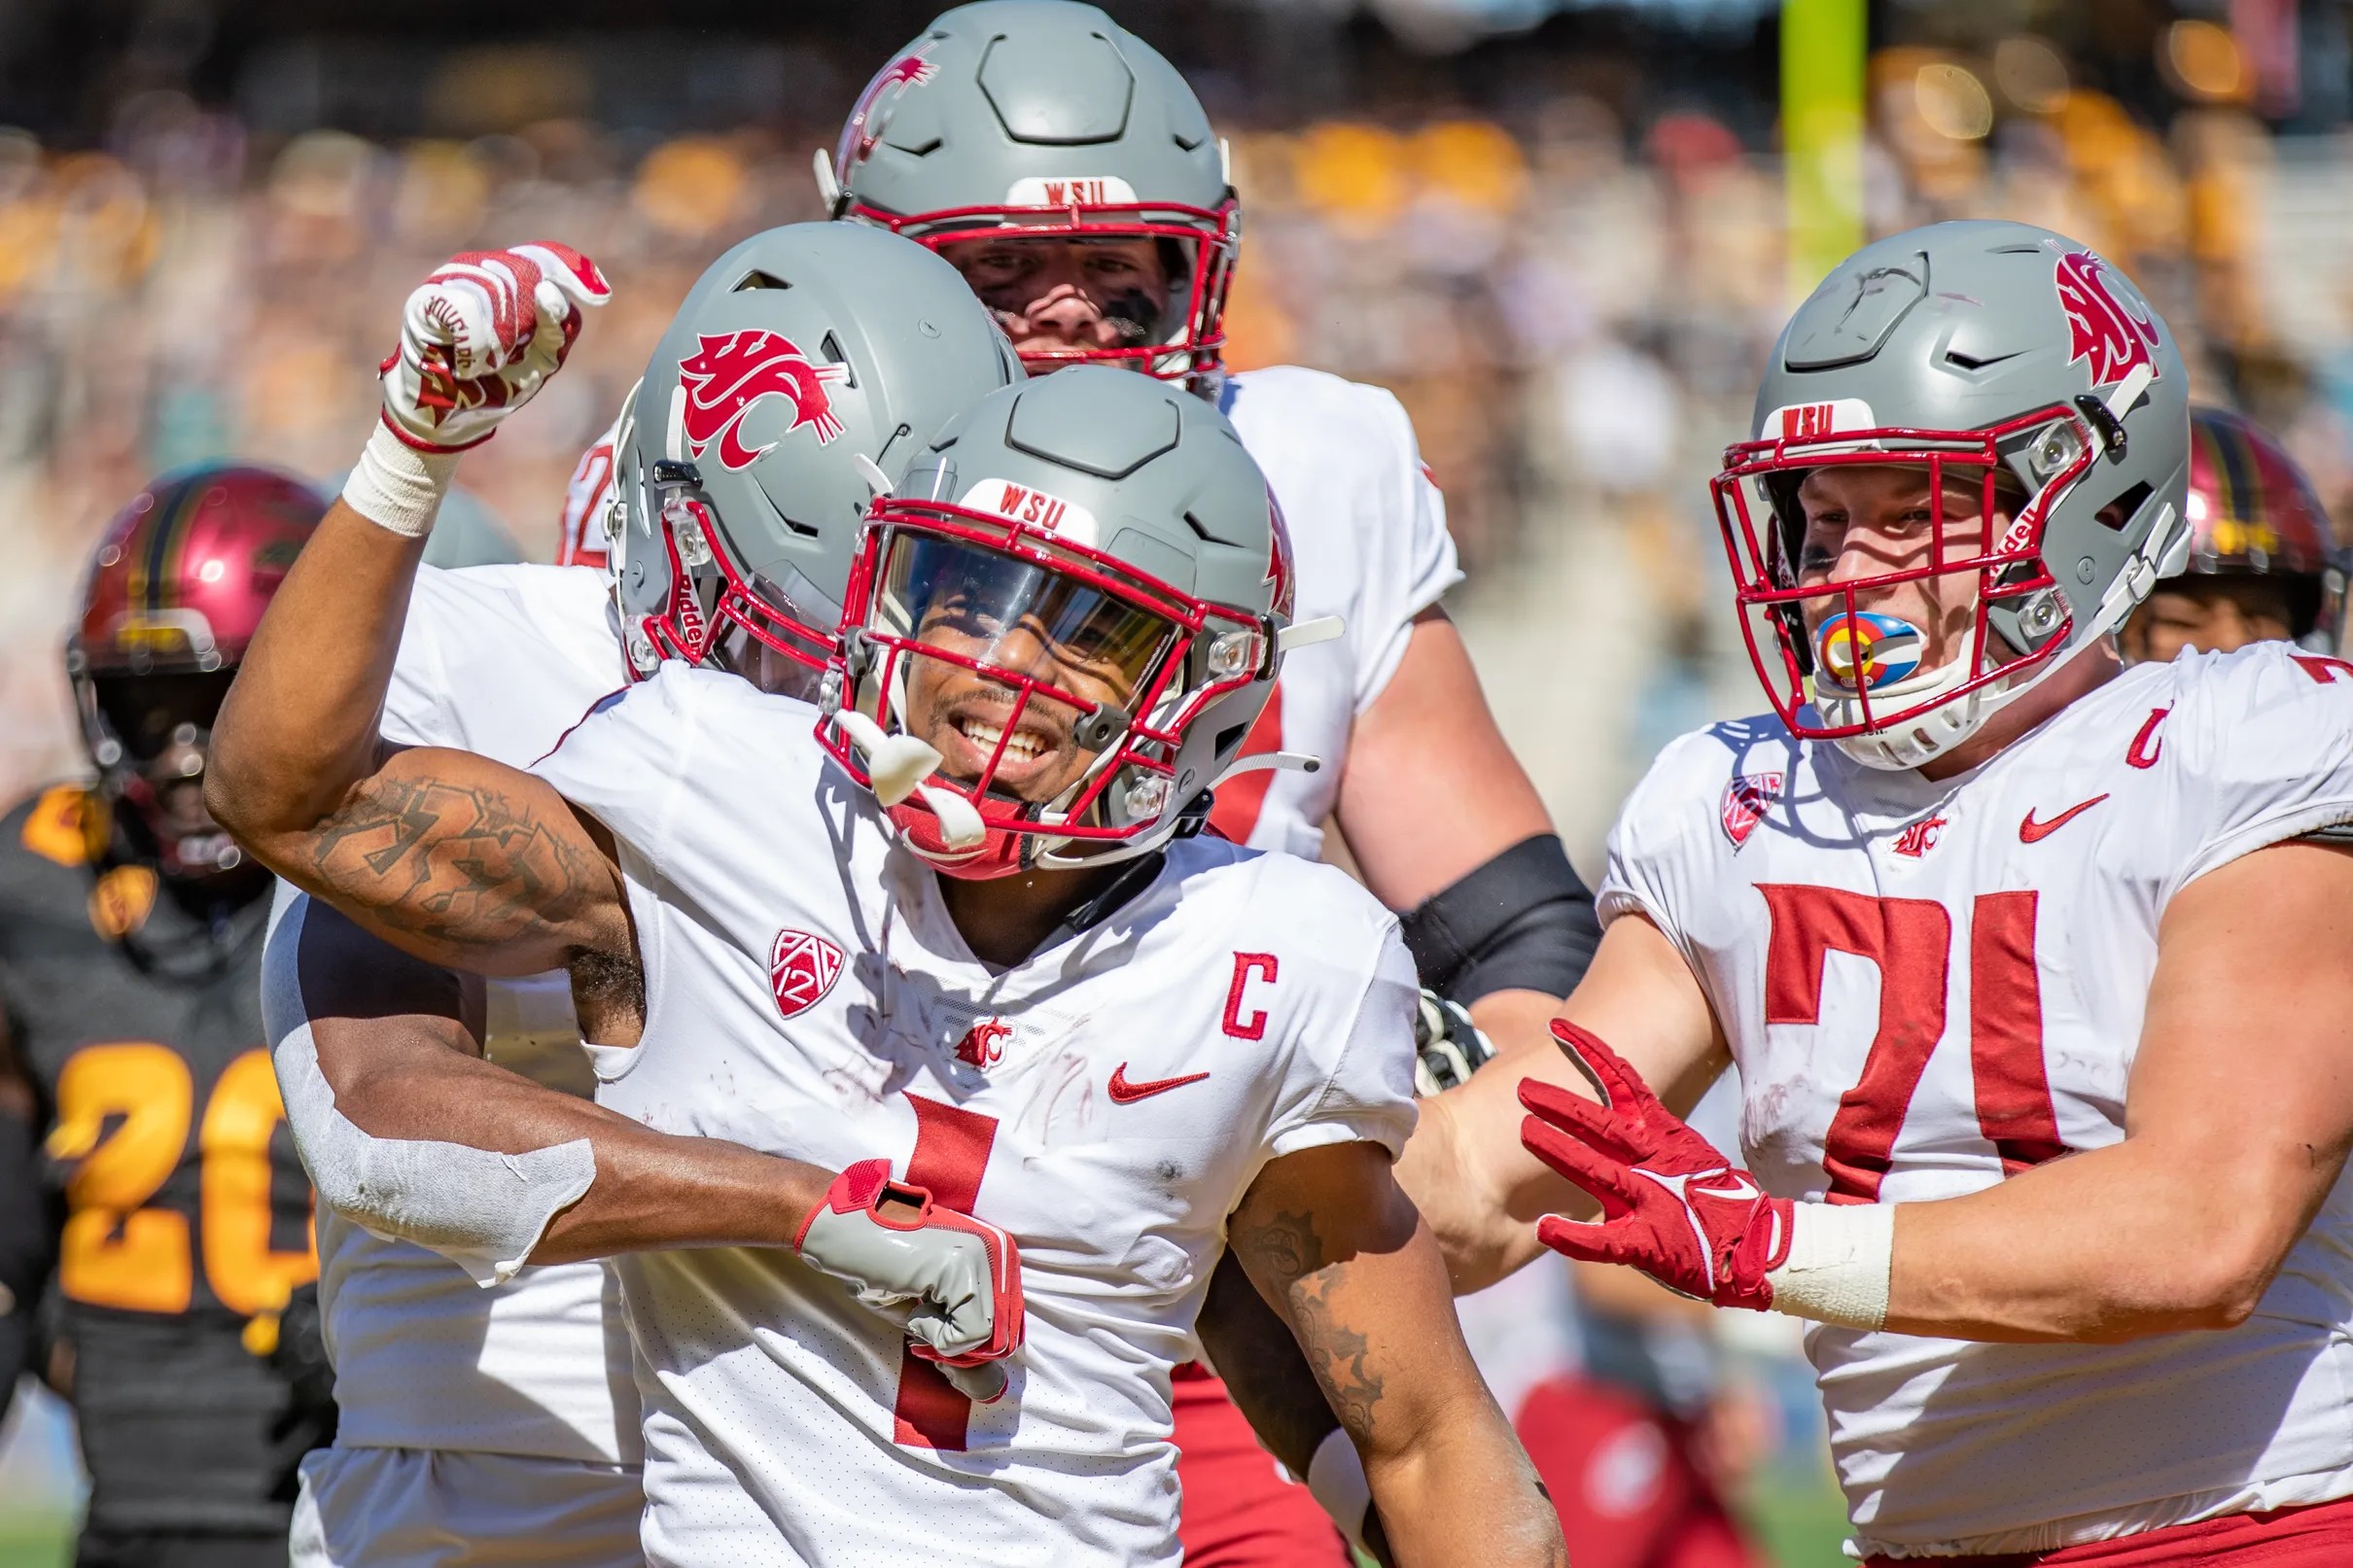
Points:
[(1133, 313)]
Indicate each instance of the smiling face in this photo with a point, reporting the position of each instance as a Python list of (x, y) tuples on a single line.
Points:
[(1055, 293), (1870, 520), (1091, 651)]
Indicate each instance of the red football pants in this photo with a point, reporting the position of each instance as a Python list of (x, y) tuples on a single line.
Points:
[(2317, 1537), (1622, 1479), (1239, 1512)]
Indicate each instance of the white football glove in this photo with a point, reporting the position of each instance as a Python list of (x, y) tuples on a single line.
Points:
[(480, 336), (478, 340)]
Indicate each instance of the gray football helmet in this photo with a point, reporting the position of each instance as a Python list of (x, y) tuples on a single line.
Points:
[(1061, 625), (2025, 362), (1046, 117), (805, 369)]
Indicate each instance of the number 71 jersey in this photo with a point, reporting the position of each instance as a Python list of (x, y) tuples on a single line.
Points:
[(1930, 986)]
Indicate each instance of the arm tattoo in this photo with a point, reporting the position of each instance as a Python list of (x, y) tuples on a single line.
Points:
[(465, 864), (1287, 1249)]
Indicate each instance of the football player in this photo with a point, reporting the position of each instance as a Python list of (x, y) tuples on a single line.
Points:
[(2033, 966), (909, 962), (506, 1416), (2264, 562), (1070, 172), (130, 945)]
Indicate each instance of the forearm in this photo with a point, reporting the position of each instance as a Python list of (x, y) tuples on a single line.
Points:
[(298, 730), (1254, 1351), (651, 1190), (1479, 1192), (2122, 1242), (1327, 1237)]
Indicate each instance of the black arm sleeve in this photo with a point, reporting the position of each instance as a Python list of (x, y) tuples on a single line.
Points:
[(1521, 921)]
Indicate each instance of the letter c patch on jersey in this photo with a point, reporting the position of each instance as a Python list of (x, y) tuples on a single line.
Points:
[(1247, 966), (801, 968)]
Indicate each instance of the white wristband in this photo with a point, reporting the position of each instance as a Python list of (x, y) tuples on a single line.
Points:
[(1840, 1257), (397, 487), (1335, 1479)]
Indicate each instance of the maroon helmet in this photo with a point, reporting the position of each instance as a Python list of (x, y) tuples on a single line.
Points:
[(175, 593), (2253, 513)]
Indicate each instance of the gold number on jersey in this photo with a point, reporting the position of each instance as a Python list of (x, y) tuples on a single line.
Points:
[(114, 1251), (246, 1272), (124, 1111)]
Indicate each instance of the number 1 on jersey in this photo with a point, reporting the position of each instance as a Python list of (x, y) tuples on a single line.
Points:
[(1910, 942), (951, 1154)]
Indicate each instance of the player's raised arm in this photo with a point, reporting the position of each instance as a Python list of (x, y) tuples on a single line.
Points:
[(451, 856), (1330, 1239)]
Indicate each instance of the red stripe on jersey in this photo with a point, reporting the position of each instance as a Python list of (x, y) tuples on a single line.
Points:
[(951, 1154), (2014, 1108), (1240, 800)]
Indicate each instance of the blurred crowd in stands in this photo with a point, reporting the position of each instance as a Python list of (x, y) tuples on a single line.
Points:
[(1571, 302)]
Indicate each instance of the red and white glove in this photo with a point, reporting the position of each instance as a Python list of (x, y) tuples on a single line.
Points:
[(479, 339), (953, 1282), (1673, 1206)]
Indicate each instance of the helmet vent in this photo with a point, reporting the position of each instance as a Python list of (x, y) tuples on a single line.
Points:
[(832, 349), (2124, 507), (756, 279), (1970, 361), (1194, 523)]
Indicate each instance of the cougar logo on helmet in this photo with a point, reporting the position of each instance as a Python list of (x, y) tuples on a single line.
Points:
[(734, 371), (1279, 560), (2100, 329), (909, 70)]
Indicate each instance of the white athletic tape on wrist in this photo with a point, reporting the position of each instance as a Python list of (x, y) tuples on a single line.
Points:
[(397, 487), (1335, 1479), (482, 1211), (1840, 1257)]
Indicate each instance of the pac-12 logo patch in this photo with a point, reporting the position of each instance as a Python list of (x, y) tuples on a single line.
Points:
[(1746, 800), (801, 968), (732, 371), (2101, 327)]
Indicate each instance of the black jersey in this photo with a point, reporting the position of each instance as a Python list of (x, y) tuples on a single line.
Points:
[(187, 1219)]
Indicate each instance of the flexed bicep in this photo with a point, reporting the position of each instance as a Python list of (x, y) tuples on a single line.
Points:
[(469, 863)]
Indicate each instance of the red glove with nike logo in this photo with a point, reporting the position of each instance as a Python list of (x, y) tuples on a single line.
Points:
[(1671, 1205)]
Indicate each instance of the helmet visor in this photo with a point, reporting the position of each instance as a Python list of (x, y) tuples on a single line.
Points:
[(1021, 676)]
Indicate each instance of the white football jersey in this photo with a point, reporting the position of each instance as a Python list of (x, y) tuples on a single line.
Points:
[(499, 660), (1368, 545), (1107, 1101), (1929, 984)]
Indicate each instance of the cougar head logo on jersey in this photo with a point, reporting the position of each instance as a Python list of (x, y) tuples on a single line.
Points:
[(801, 968), (984, 1043), (734, 371), (2100, 328), (910, 69)]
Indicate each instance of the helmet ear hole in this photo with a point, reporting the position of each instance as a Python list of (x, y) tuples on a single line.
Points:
[(2119, 513)]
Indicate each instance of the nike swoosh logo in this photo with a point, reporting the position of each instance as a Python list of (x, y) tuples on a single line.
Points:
[(1124, 1093), (2030, 831)]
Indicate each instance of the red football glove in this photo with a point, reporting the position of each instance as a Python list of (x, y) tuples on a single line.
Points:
[(480, 336), (952, 1282), (1671, 1205)]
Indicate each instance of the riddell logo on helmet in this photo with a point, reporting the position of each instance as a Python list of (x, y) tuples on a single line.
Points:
[(730, 375), (2100, 328)]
